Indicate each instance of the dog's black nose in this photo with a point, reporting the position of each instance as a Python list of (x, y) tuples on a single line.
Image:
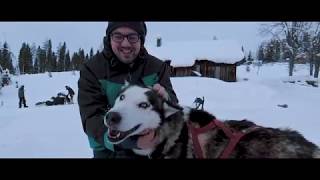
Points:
[(113, 118)]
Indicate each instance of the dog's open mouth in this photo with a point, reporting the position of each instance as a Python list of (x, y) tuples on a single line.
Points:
[(115, 136)]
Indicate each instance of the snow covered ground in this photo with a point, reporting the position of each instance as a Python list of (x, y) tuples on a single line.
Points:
[(56, 131)]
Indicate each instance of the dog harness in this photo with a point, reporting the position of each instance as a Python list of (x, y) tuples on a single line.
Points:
[(233, 136)]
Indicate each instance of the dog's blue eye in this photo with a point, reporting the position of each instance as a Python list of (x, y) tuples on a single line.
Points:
[(144, 105), (121, 97)]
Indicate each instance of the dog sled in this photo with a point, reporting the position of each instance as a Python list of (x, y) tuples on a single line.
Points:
[(60, 99)]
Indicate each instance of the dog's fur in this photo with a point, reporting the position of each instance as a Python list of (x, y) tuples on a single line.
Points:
[(139, 108)]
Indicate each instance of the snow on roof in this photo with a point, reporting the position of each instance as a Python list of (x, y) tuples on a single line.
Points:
[(184, 53)]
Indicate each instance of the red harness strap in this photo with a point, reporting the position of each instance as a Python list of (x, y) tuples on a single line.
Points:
[(194, 134), (233, 136)]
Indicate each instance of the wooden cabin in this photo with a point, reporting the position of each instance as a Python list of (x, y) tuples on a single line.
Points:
[(205, 68), (214, 59)]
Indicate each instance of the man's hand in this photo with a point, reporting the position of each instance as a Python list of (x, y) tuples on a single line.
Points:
[(149, 140), (161, 91)]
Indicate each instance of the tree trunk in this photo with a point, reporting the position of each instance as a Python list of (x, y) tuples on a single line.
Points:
[(293, 56), (317, 65), (291, 66), (311, 65)]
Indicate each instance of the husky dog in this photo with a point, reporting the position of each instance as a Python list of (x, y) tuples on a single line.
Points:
[(185, 132)]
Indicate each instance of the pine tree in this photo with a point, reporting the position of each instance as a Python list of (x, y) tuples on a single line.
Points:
[(81, 58), (269, 53), (33, 49), (25, 59), (6, 58), (36, 66), (61, 57), (74, 61), (54, 62), (41, 56), (86, 59), (260, 53), (30, 59), (48, 48), (91, 54), (21, 58), (67, 62)]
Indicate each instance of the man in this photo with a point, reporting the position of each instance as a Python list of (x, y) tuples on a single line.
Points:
[(124, 58), (70, 93), (22, 99)]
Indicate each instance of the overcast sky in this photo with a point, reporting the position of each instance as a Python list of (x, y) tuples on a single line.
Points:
[(90, 34)]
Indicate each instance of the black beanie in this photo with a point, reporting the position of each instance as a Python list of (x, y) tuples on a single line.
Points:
[(139, 26)]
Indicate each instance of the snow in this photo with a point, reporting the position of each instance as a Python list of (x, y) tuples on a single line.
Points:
[(56, 131), (197, 73), (41, 132), (184, 53)]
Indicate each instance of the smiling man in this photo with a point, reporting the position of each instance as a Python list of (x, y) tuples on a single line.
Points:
[(124, 58)]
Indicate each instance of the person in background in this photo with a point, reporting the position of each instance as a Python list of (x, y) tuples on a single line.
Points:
[(22, 99), (70, 93)]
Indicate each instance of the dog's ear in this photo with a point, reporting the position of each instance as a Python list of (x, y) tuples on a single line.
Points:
[(170, 109)]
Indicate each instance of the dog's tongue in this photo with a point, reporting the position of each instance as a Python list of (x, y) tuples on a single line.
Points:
[(114, 133)]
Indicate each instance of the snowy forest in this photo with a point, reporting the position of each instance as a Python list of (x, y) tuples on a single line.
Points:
[(291, 42), (33, 60)]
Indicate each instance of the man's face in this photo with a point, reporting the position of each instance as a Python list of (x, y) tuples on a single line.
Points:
[(125, 44)]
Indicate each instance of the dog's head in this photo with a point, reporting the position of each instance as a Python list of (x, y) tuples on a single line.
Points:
[(136, 109)]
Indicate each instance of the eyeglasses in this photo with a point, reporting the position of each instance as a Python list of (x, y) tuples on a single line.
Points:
[(118, 37)]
